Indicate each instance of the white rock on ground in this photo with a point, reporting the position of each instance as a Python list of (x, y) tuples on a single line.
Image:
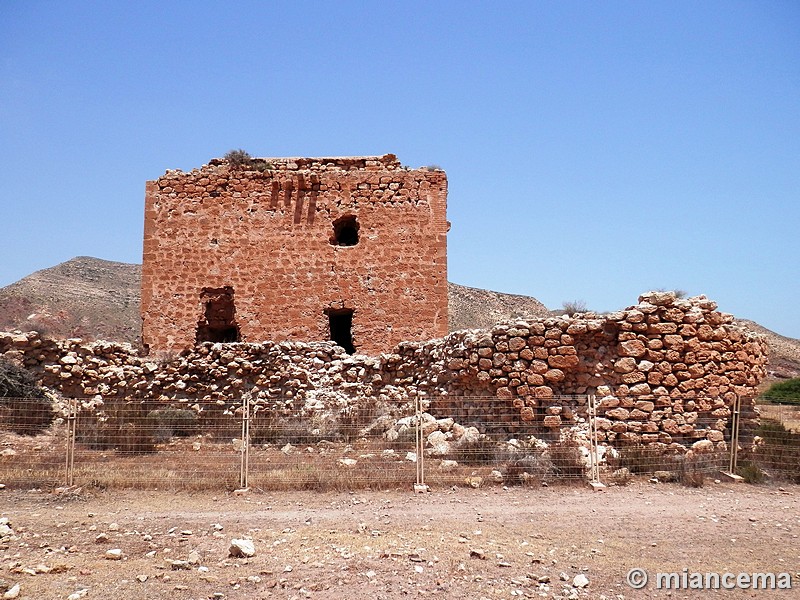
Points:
[(580, 581), (5, 528), (242, 548)]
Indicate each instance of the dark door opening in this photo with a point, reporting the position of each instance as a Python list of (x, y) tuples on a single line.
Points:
[(341, 328), (218, 323)]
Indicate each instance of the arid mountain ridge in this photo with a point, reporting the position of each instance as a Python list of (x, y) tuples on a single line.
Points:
[(99, 299)]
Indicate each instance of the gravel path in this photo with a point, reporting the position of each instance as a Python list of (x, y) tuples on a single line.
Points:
[(485, 543)]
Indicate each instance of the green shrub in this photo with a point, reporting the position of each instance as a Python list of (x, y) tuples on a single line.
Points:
[(267, 428), (567, 459), (16, 382), (24, 409), (642, 459), (480, 451), (750, 472), (678, 293), (239, 159), (261, 165), (122, 425), (784, 392), (692, 472), (169, 422)]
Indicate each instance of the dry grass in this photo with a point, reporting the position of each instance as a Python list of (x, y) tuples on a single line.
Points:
[(201, 463), (166, 470)]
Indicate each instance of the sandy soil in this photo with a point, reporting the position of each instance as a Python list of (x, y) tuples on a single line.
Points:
[(451, 543)]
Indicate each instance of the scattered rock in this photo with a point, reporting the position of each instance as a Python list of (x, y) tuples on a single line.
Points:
[(5, 528), (580, 581), (12, 592), (474, 481), (665, 476), (241, 548)]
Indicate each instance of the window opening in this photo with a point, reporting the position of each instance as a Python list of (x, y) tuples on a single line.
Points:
[(341, 328), (218, 323), (345, 231)]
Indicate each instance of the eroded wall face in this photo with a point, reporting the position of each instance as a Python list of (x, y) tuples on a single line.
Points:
[(275, 237)]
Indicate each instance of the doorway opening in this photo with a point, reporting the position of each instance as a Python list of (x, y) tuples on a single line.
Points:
[(218, 323), (340, 323)]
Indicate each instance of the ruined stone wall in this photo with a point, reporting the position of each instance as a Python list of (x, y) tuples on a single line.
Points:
[(666, 370), (263, 238)]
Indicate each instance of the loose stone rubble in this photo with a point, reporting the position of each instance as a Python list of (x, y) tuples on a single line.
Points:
[(666, 371)]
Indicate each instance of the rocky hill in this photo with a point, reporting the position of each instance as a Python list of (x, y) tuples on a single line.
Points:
[(784, 359), (83, 297), (473, 308), (99, 299)]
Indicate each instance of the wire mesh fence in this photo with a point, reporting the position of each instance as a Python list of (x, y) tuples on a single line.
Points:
[(437, 442), (773, 451)]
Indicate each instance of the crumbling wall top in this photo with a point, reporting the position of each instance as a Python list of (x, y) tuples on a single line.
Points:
[(387, 162)]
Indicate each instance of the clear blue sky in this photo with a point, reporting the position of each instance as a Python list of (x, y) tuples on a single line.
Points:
[(595, 150)]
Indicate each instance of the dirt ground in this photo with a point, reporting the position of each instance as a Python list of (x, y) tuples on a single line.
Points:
[(487, 543)]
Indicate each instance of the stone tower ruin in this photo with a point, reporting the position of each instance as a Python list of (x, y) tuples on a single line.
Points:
[(346, 249)]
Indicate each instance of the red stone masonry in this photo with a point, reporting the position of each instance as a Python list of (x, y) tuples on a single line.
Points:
[(268, 251)]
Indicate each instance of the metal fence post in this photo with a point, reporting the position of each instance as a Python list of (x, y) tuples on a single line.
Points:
[(594, 458), (245, 459), (734, 457), (419, 448), (72, 417)]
